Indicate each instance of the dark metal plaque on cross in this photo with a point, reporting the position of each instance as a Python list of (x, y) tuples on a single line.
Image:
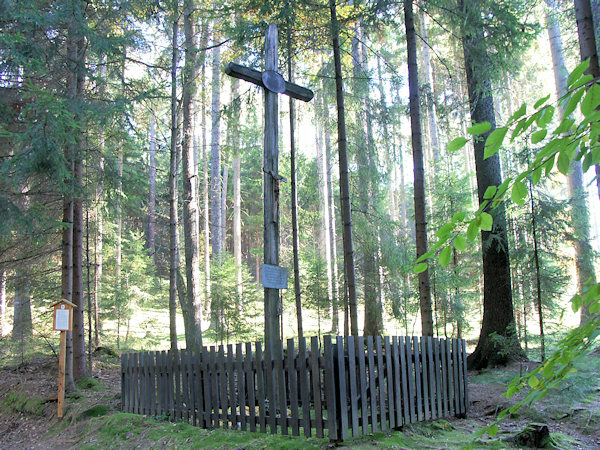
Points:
[(273, 84)]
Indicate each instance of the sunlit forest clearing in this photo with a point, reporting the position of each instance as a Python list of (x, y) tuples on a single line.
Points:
[(361, 190)]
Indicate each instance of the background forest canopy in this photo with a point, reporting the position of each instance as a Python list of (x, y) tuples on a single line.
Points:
[(131, 173)]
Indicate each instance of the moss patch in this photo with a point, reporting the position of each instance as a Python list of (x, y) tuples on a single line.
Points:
[(20, 403), (88, 383)]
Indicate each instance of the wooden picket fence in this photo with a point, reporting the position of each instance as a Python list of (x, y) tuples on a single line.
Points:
[(346, 387)]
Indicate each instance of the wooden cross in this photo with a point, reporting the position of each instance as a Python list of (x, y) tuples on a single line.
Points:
[(273, 84)]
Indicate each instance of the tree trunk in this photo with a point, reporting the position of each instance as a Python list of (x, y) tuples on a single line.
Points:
[(99, 201), (419, 172), (498, 314), (193, 334), (538, 277), (237, 197), (2, 302), (580, 218), (295, 238), (152, 189), (588, 49), (216, 217), (78, 78), (332, 228), (429, 95), (22, 325), (67, 271), (349, 272), (173, 176), (118, 244)]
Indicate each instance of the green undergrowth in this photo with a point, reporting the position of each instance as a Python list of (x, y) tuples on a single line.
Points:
[(20, 403), (122, 430)]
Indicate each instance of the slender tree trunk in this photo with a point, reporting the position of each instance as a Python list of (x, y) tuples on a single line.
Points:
[(193, 334), (99, 203), (349, 272), (205, 177), (588, 49), (67, 270), (579, 210), (118, 245), (152, 189), (332, 227), (216, 218), (498, 313), (237, 197), (173, 176), (431, 109), (22, 324), (418, 167), (538, 277), (89, 286), (2, 302), (78, 335), (295, 238), (225, 179)]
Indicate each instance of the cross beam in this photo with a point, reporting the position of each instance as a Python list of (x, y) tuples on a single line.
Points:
[(256, 77), (273, 84)]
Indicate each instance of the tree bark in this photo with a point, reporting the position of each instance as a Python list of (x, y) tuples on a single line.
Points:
[(193, 334), (173, 175), (295, 238), (498, 314), (152, 190), (22, 324), (77, 85), (580, 215), (430, 97), (237, 197), (349, 272), (418, 168), (2, 302)]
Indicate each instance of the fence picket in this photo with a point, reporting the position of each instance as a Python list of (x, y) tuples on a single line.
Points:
[(372, 392), (425, 377), (411, 372), (342, 406), (406, 408), (260, 381), (396, 381), (249, 369), (350, 345), (280, 386), (330, 397), (381, 383), (304, 380), (315, 373), (465, 396), (461, 377), (124, 381), (390, 382), (293, 383), (270, 387), (418, 378), (364, 403), (456, 377), (240, 388), (438, 376)]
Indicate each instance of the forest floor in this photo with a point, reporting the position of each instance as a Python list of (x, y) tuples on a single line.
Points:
[(28, 403)]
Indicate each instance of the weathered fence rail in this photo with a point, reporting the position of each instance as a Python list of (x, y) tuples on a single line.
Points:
[(362, 385)]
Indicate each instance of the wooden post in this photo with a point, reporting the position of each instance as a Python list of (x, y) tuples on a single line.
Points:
[(273, 84), (63, 322), (271, 188), (62, 357)]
